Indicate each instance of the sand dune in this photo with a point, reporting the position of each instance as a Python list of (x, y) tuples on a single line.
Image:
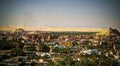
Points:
[(43, 28)]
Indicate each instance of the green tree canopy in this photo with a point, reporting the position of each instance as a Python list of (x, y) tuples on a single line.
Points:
[(44, 48)]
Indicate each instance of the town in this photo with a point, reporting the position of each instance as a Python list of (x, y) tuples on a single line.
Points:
[(47, 48)]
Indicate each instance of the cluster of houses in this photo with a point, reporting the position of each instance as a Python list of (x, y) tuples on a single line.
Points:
[(108, 45)]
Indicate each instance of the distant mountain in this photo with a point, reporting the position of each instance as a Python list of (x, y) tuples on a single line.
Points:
[(42, 28)]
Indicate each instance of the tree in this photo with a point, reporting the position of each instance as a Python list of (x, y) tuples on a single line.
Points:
[(22, 61), (74, 43), (44, 48), (68, 60), (33, 64), (56, 49), (4, 44), (31, 48), (51, 64), (18, 51)]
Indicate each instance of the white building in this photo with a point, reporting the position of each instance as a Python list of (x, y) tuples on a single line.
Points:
[(90, 51)]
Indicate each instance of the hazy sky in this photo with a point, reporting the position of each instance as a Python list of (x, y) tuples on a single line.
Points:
[(60, 13)]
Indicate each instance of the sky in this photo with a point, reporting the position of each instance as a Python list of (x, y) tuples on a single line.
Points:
[(60, 13)]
